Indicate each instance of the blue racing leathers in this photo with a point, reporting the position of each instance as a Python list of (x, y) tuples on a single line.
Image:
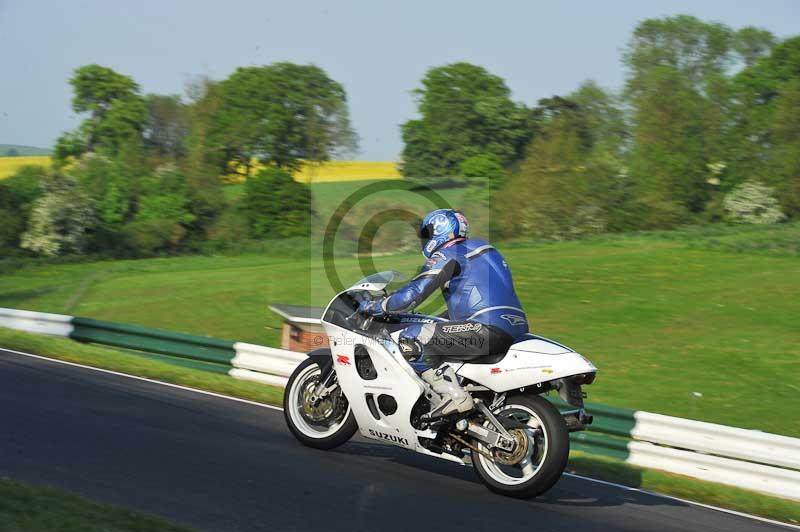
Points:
[(476, 284)]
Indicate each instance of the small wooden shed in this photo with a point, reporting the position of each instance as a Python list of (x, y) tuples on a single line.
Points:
[(302, 330)]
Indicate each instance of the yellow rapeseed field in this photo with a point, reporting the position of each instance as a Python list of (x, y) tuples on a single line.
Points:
[(10, 165), (347, 171), (332, 171), (326, 172)]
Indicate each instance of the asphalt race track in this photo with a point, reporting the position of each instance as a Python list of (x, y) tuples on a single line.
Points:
[(216, 464)]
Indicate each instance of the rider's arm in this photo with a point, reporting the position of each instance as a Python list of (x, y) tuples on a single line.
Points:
[(433, 275)]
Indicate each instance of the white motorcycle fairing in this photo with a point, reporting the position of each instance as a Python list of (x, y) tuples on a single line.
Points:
[(394, 378), (528, 363)]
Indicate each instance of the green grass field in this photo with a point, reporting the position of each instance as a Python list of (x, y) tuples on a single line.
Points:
[(34, 509), (695, 324)]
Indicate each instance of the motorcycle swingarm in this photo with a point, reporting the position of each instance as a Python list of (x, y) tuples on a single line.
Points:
[(499, 438)]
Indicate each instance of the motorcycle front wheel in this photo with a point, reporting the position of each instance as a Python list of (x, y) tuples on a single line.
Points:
[(319, 423), (539, 458)]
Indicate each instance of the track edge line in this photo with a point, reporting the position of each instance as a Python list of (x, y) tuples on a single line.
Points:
[(272, 407)]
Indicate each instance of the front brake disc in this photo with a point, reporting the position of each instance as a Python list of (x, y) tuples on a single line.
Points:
[(315, 411)]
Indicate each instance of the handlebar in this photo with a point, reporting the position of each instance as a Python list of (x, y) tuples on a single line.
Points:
[(365, 323)]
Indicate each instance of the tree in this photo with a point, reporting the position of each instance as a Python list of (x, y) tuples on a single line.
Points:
[(199, 164), (604, 124), (205, 102), (164, 217), (698, 50), (766, 136), (784, 160), (483, 170), (12, 152), (22, 188), (668, 162), (96, 88), (280, 114), (166, 125), (10, 228), (679, 93), (753, 43), (112, 186), (276, 206), (60, 220), (464, 111), (571, 181), (116, 112), (17, 194), (120, 127), (551, 182), (607, 135), (69, 145)]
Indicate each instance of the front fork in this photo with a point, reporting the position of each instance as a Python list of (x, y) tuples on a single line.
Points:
[(325, 386)]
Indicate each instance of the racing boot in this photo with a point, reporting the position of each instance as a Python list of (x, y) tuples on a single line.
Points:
[(444, 382)]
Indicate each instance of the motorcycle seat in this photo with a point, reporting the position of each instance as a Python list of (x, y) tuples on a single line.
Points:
[(494, 358), (488, 359), (479, 359)]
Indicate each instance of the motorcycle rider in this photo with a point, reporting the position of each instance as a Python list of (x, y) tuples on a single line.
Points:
[(484, 312)]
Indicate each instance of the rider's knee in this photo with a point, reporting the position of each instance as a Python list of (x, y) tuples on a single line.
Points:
[(410, 347), (412, 339)]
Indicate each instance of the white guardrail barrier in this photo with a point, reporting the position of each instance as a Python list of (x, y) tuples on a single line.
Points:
[(750, 459), (264, 364), (710, 438), (36, 322)]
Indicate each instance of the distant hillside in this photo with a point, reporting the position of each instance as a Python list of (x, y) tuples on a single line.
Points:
[(15, 149)]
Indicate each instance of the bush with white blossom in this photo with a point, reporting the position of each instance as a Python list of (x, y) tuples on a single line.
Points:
[(60, 220), (752, 202)]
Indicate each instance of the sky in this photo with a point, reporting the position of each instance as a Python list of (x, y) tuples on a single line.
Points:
[(378, 50)]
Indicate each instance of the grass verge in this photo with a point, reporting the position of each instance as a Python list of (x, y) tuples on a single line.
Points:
[(33, 509), (580, 463)]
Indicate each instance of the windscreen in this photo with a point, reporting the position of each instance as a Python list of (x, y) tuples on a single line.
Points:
[(340, 308), (380, 278)]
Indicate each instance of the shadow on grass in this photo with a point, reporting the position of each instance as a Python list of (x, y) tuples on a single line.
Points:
[(12, 299)]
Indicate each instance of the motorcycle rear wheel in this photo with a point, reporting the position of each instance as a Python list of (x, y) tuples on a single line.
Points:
[(324, 425), (544, 459)]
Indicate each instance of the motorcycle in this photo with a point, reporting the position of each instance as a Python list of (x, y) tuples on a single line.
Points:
[(516, 440)]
